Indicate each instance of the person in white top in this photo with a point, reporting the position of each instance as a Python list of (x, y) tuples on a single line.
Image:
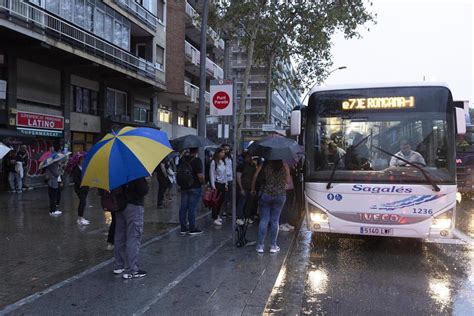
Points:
[(219, 181), (230, 176), (407, 154)]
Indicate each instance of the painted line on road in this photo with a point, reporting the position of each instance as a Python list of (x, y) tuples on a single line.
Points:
[(180, 278), (37, 295), (459, 234)]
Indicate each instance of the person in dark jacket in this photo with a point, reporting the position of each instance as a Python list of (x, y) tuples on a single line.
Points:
[(129, 230), (53, 173), (80, 191)]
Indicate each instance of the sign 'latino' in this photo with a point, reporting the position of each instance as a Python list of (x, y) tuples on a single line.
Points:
[(221, 100)]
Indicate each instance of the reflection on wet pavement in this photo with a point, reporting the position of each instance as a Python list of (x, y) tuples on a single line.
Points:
[(39, 250)]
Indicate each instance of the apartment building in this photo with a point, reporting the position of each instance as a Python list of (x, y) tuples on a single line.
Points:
[(70, 70), (284, 98), (178, 110)]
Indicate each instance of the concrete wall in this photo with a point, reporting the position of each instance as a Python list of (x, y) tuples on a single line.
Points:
[(81, 122)]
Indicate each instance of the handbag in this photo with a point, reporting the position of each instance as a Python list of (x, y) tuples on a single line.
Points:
[(211, 198)]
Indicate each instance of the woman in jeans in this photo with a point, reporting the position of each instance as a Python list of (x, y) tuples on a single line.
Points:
[(219, 180), (275, 179)]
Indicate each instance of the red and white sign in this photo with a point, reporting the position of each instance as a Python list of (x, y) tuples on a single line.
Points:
[(221, 98), (36, 120)]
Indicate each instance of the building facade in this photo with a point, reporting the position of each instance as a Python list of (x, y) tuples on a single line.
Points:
[(72, 70)]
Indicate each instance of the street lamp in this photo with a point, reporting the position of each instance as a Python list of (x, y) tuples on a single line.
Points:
[(329, 73)]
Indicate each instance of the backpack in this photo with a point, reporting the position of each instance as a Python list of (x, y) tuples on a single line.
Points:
[(113, 201), (185, 174)]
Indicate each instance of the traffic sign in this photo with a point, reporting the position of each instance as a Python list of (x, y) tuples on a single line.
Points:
[(221, 98)]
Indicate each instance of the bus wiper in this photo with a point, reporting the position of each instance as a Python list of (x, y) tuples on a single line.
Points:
[(427, 177), (328, 186)]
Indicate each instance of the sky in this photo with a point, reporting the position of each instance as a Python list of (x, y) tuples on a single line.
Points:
[(412, 40)]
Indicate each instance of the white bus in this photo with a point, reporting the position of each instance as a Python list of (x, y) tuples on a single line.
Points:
[(354, 182)]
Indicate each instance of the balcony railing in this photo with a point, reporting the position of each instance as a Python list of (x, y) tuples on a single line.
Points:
[(194, 15), (143, 14), (45, 23), (192, 91), (194, 56)]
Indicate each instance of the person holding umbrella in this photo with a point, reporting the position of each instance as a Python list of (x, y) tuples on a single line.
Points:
[(53, 176), (276, 177), (126, 158)]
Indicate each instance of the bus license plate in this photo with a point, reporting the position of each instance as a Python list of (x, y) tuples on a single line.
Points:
[(376, 231)]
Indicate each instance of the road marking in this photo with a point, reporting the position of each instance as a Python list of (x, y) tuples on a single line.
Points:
[(459, 234), (33, 297), (180, 278), (450, 241)]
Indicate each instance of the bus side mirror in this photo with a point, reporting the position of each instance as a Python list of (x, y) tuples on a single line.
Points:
[(295, 122), (460, 121)]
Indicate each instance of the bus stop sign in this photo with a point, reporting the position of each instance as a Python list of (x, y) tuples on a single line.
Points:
[(221, 98)]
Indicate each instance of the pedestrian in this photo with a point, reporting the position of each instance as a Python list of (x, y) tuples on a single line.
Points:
[(245, 172), (163, 182), (14, 178), (80, 191), (23, 157), (52, 176), (113, 202), (129, 230), (271, 202), (219, 182), (191, 193), (230, 177)]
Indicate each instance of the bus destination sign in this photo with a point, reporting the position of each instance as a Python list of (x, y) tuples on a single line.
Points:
[(383, 103)]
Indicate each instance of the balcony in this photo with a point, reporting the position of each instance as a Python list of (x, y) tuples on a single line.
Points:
[(140, 12), (192, 92), (33, 18), (193, 55), (194, 18)]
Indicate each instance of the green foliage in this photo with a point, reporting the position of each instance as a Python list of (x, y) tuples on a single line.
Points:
[(295, 30)]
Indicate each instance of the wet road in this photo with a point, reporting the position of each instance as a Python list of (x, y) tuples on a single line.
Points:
[(326, 275)]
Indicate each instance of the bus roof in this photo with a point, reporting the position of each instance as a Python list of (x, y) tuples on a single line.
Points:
[(378, 85)]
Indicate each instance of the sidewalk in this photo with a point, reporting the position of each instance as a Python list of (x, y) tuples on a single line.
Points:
[(203, 274), (38, 250)]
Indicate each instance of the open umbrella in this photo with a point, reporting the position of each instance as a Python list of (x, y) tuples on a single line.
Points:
[(4, 150), (275, 148), (123, 156), (190, 141), (53, 158), (45, 155)]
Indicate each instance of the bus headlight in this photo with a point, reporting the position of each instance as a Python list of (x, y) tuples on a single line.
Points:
[(443, 221), (316, 215)]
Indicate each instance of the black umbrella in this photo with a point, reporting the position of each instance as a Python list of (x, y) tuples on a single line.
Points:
[(276, 148), (190, 141)]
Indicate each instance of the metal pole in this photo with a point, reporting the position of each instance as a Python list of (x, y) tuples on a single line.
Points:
[(202, 72), (234, 167)]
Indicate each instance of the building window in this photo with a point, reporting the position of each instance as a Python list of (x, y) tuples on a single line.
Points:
[(82, 141), (140, 114), (84, 100), (160, 10), (164, 116), (181, 119), (116, 102), (53, 6), (160, 57)]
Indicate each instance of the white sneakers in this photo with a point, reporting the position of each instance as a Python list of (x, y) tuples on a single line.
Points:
[(55, 213), (260, 249), (218, 222), (82, 221), (286, 227), (274, 249), (239, 221)]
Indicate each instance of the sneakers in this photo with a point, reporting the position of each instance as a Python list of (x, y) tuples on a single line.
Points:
[(274, 249), (110, 247), (118, 271), (239, 222), (259, 249), (290, 227), (184, 232), (134, 275), (19, 191), (218, 222), (82, 221), (195, 232), (284, 228), (55, 213)]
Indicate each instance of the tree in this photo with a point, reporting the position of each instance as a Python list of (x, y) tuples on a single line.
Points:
[(275, 32)]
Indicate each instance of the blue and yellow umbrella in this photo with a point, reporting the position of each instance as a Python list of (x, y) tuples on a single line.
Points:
[(123, 156)]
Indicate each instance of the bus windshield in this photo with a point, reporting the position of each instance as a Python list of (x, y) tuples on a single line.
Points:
[(365, 146)]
